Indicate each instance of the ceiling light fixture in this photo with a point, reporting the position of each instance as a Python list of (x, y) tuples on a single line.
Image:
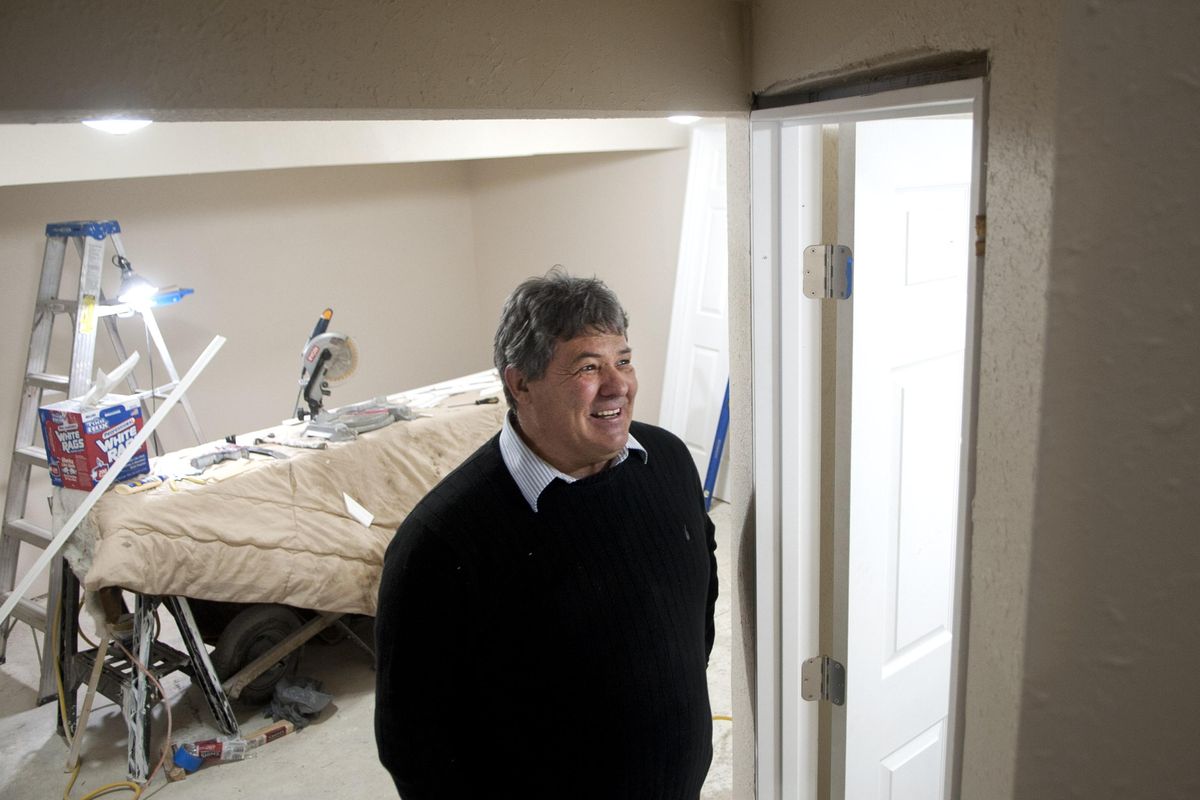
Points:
[(117, 126), (683, 119)]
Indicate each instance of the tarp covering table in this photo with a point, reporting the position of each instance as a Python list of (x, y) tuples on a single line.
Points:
[(279, 531)]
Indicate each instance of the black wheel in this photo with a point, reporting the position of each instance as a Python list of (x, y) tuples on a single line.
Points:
[(247, 636)]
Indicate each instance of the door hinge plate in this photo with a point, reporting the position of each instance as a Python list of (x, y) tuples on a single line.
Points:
[(823, 678), (828, 271)]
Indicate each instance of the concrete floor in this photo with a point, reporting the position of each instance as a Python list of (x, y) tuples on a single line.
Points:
[(334, 757)]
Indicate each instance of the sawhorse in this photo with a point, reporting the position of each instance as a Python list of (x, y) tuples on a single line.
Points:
[(123, 682)]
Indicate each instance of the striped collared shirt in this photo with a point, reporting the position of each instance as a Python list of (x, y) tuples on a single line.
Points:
[(532, 474)]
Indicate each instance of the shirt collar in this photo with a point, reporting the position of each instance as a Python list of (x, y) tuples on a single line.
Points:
[(532, 474)]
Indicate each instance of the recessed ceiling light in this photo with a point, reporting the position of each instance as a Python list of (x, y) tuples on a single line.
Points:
[(683, 119), (118, 126)]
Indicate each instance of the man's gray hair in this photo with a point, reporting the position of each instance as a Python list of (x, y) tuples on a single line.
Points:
[(543, 311)]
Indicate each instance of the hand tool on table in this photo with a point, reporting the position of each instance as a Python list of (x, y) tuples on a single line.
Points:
[(483, 401), (231, 452), (306, 444)]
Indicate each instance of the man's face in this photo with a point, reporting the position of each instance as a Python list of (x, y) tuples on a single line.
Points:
[(576, 416)]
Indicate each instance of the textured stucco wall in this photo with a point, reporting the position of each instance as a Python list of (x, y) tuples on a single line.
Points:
[(271, 59), (1111, 704), (815, 40)]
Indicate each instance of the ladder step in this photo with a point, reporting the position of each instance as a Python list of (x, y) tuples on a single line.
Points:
[(26, 531), (58, 305), (33, 455), (46, 380), (27, 611)]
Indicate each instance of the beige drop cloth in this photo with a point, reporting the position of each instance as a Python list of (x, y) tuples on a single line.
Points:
[(274, 531)]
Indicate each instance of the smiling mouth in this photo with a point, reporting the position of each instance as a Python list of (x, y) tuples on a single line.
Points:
[(613, 414)]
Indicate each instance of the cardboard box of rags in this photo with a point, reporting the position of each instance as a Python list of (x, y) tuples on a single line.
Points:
[(82, 441)]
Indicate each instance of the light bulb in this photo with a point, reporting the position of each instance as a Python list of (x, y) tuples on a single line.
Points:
[(117, 126)]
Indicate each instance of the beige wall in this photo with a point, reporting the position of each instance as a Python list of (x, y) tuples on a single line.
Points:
[(1110, 706), (818, 40), (415, 260), (388, 248), (615, 218), (272, 59)]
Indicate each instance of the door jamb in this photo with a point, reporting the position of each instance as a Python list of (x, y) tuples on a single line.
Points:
[(767, 284)]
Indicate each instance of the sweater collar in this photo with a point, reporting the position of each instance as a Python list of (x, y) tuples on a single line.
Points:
[(532, 474)]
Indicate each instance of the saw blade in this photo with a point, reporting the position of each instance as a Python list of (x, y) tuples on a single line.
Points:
[(343, 359), (341, 356)]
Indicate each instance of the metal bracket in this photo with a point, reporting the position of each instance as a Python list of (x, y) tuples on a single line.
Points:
[(828, 272), (822, 678)]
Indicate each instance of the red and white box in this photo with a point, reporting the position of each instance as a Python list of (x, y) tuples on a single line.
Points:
[(82, 442)]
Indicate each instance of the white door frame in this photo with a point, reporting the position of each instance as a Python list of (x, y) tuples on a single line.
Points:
[(786, 424)]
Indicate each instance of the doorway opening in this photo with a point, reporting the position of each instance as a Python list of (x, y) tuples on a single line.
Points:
[(863, 436)]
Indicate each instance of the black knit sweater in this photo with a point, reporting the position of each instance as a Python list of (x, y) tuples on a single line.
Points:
[(560, 654)]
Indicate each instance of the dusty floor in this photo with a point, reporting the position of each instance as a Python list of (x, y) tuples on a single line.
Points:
[(334, 757)]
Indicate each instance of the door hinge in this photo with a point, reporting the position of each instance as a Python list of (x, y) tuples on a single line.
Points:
[(828, 271), (823, 678), (980, 234)]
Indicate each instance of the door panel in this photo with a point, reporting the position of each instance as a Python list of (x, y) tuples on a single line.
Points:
[(921, 583), (911, 223), (908, 771)]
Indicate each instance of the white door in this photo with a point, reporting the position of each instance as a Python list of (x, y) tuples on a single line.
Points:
[(697, 365), (902, 182), (912, 223)]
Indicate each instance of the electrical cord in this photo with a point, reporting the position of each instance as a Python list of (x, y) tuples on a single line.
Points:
[(127, 785), (52, 651), (83, 635)]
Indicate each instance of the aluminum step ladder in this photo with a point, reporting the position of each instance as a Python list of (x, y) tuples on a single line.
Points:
[(85, 310)]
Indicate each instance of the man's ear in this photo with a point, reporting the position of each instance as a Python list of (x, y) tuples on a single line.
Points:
[(514, 381)]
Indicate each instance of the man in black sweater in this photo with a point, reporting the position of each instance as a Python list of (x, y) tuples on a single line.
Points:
[(546, 611)]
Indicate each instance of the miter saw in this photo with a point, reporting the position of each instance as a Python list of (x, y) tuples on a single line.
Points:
[(331, 357), (328, 357)]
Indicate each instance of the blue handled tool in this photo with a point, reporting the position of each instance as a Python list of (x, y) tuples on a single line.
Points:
[(714, 460)]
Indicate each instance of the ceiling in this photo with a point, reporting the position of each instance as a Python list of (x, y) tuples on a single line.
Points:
[(55, 153)]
